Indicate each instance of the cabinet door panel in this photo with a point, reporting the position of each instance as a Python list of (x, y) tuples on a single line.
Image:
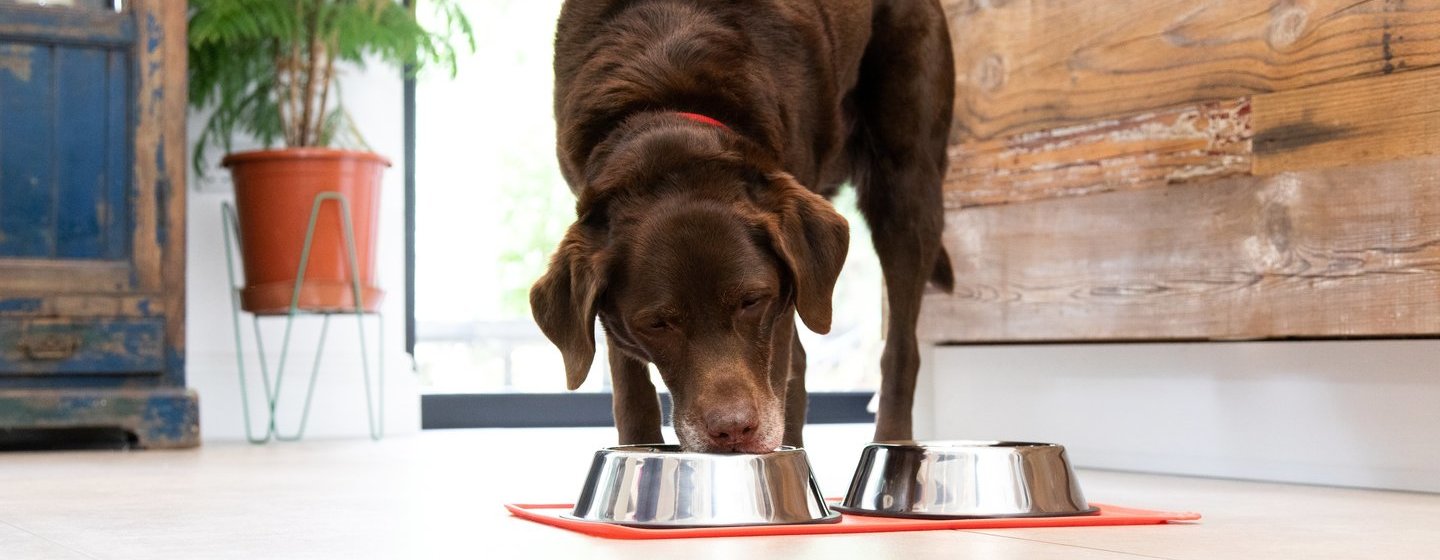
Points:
[(27, 140), (81, 145), (63, 152)]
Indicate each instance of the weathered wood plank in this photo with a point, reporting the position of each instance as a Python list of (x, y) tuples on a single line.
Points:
[(46, 304), (150, 149), (1031, 65), (157, 417), (1361, 121), (171, 111), (1192, 143), (1352, 251), (78, 347), (55, 277), (46, 24)]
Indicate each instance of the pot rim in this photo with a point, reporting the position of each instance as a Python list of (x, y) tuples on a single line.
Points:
[(252, 156)]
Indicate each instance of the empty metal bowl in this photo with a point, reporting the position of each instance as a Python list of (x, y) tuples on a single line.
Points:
[(963, 479), (661, 486)]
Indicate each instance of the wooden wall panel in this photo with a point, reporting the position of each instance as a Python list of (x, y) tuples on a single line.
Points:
[(1362, 121), (1351, 251), (1383, 118), (1031, 65), (1189, 143)]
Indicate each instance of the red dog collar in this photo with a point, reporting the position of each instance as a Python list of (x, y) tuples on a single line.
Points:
[(697, 117)]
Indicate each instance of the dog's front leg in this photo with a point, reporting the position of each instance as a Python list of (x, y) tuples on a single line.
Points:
[(635, 403), (796, 398)]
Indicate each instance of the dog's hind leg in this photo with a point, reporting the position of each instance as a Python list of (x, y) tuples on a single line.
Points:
[(796, 399), (635, 403), (903, 105)]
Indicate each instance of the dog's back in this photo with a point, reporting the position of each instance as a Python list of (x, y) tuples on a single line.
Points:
[(776, 71)]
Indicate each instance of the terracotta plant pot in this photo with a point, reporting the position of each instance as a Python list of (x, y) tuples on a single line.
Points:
[(274, 192)]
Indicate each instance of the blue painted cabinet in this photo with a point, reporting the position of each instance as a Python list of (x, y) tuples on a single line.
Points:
[(92, 298)]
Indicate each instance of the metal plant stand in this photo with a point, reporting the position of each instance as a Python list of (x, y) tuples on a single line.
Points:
[(374, 404)]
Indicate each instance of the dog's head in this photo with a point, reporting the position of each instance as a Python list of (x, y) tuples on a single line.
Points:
[(696, 257)]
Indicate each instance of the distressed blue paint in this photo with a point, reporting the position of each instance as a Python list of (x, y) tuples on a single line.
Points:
[(144, 307), (21, 305), (162, 197), (158, 417), (27, 143), (81, 149), (62, 131), (168, 418), (119, 170), (105, 346), (156, 32), (85, 381), (77, 405), (175, 365)]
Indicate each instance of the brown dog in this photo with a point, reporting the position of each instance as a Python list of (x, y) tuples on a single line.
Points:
[(690, 130)]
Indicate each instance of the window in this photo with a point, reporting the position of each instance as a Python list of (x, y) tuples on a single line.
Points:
[(490, 207)]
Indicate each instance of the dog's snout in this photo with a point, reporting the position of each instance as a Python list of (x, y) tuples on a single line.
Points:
[(732, 426)]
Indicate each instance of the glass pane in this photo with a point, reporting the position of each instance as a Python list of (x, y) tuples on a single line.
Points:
[(491, 206)]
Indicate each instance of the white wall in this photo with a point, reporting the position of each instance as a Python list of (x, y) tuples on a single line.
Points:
[(374, 97), (1349, 413)]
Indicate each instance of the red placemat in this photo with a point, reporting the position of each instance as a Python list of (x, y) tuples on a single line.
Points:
[(549, 514)]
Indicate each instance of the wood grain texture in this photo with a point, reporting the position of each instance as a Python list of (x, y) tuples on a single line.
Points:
[(1031, 65), (1362, 121), (170, 169), (53, 277), (43, 304), (47, 24), (1351, 251), (150, 150), (1191, 143)]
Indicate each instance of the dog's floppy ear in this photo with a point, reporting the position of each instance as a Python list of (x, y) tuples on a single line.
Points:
[(563, 301), (813, 239)]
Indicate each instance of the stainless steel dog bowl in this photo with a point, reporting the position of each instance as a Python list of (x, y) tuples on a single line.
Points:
[(661, 486), (961, 479)]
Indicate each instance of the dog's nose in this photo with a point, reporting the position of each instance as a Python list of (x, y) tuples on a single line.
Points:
[(731, 426)]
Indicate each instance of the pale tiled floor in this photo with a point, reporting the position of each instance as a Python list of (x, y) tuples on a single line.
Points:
[(439, 495)]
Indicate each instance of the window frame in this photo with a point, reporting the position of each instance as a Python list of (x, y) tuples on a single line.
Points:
[(512, 410)]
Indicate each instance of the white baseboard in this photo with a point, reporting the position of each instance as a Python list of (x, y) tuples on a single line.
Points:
[(1345, 413)]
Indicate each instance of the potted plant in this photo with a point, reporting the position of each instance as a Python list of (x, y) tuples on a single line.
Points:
[(266, 69)]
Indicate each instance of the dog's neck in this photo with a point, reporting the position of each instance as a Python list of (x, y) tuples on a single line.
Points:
[(697, 117)]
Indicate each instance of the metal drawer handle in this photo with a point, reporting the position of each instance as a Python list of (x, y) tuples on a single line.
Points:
[(49, 347)]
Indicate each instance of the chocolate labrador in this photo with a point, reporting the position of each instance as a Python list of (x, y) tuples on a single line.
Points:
[(702, 139)]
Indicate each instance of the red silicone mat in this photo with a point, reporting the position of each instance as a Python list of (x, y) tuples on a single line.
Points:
[(549, 514)]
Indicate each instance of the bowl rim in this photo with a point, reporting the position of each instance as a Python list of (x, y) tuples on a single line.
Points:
[(965, 444), (672, 450)]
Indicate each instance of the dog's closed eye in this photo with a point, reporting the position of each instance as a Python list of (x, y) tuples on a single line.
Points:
[(655, 323)]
